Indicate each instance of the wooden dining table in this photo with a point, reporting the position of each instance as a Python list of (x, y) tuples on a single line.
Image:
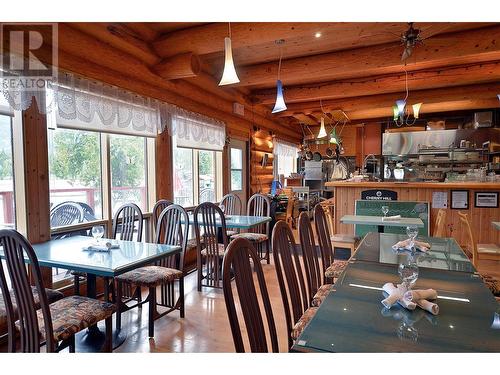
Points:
[(352, 318)]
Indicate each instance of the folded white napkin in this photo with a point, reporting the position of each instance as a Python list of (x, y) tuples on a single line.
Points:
[(431, 307), (396, 294), (391, 218), (405, 244), (102, 246), (418, 294)]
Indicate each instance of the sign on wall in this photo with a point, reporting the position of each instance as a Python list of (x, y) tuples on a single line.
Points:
[(379, 195)]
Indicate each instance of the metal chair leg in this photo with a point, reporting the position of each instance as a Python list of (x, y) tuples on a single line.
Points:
[(152, 308), (118, 305), (71, 345), (76, 285)]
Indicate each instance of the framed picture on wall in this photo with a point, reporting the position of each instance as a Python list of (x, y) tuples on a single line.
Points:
[(486, 199), (459, 199)]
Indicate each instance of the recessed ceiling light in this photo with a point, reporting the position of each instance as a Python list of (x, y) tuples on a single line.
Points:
[(317, 35)]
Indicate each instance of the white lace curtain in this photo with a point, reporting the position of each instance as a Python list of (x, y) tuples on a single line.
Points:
[(76, 102), (283, 148), (196, 131)]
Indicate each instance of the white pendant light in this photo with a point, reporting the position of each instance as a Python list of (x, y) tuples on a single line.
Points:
[(416, 109), (229, 75), (322, 131), (279, 105)]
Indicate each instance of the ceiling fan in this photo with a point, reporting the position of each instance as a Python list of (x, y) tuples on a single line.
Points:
[(410, 39)]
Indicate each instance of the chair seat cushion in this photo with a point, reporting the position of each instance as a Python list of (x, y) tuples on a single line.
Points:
[(52, 296), (253, 237), (220, 250), (344, 238), (335, 269), (488, 249), (150, 276), (73, 314), (321, 294), (492, 283), (303, 322)]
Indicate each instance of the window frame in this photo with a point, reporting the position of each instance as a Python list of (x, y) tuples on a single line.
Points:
[(231, 169)]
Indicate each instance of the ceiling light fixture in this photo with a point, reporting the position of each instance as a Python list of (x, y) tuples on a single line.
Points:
[(322, 130), (280, 105), (229, 75), (317, 35), (401, 117)]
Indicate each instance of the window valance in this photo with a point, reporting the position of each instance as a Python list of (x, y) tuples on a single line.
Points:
[(196, 131), (77, 102), (283, 148)]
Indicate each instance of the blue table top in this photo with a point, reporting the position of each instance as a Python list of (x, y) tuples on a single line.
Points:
[(68, 253), (444, 253), (377, 220), (239, 221), (352, 319)]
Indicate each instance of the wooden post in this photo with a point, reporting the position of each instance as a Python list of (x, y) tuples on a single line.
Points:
[(37, 180), (164, 166)]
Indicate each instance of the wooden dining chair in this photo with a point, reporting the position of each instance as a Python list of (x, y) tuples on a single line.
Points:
[(158, 208), (172, 229), (440, 224), (54, 324), (332, 268), (209, 251), (128, 220), (258, 205), (238, 261), (318, 290), (491, 281), (230, 204), (293, 288)]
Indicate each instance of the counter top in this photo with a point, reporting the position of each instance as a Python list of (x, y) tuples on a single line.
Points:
[(419, 185)]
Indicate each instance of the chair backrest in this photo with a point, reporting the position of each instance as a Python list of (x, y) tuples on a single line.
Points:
[(312, 268), (238, 260), (88, 212), (289, 209), (125, 219), (324, 238), (440, 224), (173, 229), (207, 216), (290, 276), (231, 203), (66, 213), (259, 205), (17, 250), (470, 242), (157, 210)]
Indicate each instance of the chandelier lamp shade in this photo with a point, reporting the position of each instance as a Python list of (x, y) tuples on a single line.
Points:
[(395, 110), (333, 137), (498, 96), (280, 105), (416, 109), (229, 75), (401, 104), (322, 131)]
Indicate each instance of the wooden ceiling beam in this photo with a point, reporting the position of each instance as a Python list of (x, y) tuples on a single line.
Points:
[(466, 47), (186, 65), (418, 80), (455, 98), (305, 119)]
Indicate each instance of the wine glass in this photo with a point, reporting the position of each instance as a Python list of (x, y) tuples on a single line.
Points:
[(412, 232), (385, 210), (408, 271), (97, 232)]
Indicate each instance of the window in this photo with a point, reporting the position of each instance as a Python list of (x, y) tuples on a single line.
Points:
[(285, 158), (236, 169), (75, 173), (128, 171), (7, 205), (286, 165), (183, 176), (197, 176)]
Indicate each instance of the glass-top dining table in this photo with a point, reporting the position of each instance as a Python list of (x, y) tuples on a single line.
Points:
[(352, 318), (69, 253), (238, 221), (381, 222)]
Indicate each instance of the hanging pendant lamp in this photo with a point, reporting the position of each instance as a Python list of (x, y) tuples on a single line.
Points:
[(401, 104), (333, 137), (279, 105), (395, 110), (229, 75), (416, 109), (322, 131)]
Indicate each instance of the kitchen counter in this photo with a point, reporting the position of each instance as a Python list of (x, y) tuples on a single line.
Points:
[(421, 185), (346, 193)]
